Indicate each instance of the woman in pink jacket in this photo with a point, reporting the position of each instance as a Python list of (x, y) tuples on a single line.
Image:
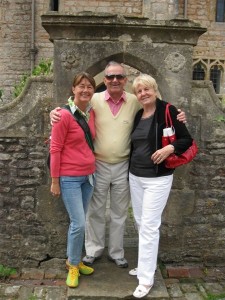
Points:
[(72, 168)]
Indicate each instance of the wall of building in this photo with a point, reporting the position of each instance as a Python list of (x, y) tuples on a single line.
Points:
[(16, 31), (16, 42), (15, 21), (210, 49), (126, 7), (34, 225), (42, 43)]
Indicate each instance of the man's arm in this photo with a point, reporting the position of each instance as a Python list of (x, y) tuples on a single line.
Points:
[(55, 116), (181, 116)]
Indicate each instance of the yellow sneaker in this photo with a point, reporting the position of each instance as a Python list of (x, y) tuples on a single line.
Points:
[(85, 270), (72, 277)]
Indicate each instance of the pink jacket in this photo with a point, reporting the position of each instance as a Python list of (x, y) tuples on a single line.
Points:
[(70, 152)]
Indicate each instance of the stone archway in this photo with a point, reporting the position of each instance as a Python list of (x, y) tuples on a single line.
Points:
[(130, 72), (88, 42)]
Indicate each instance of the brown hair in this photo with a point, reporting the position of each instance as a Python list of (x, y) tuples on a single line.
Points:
[(80, 76)]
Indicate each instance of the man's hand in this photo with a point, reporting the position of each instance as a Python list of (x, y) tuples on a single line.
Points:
[(181, 116), (55, 115)]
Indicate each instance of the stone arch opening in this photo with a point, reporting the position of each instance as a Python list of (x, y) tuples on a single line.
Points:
[(131, 64)]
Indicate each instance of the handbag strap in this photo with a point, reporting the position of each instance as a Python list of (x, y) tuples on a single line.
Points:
[(168, 116), (83, 124)]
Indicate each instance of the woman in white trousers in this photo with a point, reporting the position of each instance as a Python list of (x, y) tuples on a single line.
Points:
[(150, 181)]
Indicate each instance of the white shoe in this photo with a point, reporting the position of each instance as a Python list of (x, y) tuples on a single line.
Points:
[(133, 272), (141, 291), (89, 260)]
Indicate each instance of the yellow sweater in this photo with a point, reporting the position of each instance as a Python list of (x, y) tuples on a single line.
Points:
[(112, 141)]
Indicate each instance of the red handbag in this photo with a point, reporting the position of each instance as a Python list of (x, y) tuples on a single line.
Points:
[(173, 161)]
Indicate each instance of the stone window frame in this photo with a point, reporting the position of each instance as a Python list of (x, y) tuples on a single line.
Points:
[(208, 64)]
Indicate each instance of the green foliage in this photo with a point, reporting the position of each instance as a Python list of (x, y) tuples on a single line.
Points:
[(220, 119), (215, 297), (1, 94), (6, 272), (33, 297), (19, 87), (162, 268), (44, 68)]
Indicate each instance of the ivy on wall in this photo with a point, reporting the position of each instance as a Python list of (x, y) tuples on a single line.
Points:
[(43, 68)]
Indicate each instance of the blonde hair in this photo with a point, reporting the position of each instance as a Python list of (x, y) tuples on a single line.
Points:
[(148, 81)]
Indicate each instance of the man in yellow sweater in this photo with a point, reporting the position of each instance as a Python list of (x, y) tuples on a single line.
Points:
[(115, 110)]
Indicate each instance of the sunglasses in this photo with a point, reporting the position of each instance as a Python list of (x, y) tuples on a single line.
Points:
[(117, 76)]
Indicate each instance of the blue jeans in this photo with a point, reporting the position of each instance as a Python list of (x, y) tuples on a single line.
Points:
[(76, 194)]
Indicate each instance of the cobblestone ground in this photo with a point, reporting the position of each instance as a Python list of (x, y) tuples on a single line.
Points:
[(110, 282)]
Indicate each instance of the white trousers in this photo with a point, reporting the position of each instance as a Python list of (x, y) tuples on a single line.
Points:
[(113, 178), (149, 197)]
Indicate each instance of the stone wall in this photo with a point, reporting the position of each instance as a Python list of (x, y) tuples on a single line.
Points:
[(125, 7), (153, 9), (34, 224), (24, 127), (193, 221), (15, 20), (210, 49), (17, 47), (211, 44)]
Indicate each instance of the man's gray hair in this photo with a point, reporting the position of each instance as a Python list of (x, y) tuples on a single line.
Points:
[(114, 63)]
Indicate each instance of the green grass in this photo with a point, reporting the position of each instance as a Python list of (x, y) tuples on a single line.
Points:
[(215, 297), (6, 272)]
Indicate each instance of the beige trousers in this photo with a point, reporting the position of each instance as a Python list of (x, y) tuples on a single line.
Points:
[(111, 179)]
